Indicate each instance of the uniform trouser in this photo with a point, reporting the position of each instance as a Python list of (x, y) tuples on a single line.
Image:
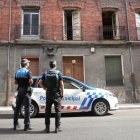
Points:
[(57, 106), (22, 98)]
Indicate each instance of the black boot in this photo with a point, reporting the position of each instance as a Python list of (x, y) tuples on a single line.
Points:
[(16, 126), (47, 130), (57, 129), (27, 127)]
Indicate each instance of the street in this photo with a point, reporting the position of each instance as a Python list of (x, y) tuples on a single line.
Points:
[(119, 125)]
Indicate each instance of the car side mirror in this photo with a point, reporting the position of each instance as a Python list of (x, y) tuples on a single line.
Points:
[(83, 89)]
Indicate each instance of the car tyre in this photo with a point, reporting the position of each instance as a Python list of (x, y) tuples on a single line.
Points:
[(33, 110), (100, 107)]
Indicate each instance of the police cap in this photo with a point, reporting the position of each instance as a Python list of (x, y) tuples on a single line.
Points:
[(24, 61)]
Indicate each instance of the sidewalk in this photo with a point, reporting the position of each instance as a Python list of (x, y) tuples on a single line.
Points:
[(129, 106), (6, 108), (121, 107)]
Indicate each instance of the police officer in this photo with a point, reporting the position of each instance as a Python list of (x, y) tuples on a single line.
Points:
[(23, 78), (52, 82)]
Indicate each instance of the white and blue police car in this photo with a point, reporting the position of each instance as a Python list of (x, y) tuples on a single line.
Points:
[(77, 97)]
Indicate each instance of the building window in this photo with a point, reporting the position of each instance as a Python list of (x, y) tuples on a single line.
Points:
[(72, 27), (30, 22), (137, 17), (110, 28), (113, 68)]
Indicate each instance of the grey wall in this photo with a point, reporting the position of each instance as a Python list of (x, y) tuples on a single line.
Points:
[(94, 65)]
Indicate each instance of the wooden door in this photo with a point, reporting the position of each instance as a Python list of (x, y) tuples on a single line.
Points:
[(73, 66)]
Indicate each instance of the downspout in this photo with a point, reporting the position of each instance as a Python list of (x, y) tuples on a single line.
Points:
[(8, 56), (132, 75)]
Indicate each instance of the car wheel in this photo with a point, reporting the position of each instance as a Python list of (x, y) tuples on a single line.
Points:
[(100, 107), (33, 110)]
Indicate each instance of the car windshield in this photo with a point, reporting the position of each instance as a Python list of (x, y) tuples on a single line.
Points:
[(68, 84), (77, 83)]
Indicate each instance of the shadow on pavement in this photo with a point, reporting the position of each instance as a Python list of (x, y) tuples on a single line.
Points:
[(74, 114), (6, 116), (4, 131)]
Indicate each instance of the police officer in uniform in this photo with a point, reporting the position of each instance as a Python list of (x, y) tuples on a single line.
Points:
[(23, 78), (52, 82)]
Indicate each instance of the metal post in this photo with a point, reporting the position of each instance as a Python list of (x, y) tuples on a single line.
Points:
[(132, 75), (8, 76), (8, 56)]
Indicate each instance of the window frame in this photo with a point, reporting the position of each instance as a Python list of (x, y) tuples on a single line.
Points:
[(22, 22), (137, 12), (116, 33), (65, 37)]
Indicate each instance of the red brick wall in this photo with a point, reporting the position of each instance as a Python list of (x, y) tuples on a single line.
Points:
[(51, 16), (133, 5), (4, 19)]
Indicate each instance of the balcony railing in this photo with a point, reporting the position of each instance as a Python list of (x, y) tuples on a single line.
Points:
[(72, 32), (44, 32), (112, 33), (69, 33), (29, 31)]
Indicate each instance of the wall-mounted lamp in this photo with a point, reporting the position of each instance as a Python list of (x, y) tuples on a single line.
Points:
[(92, 50)]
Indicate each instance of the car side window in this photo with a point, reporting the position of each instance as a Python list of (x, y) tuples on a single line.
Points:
[(35, 84), (69, 84)]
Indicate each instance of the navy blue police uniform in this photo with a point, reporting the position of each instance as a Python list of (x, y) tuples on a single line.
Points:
[(51, 80), (22, 77)]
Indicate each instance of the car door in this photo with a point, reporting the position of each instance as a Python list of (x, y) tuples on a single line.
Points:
[(39, 94), (74, 94)]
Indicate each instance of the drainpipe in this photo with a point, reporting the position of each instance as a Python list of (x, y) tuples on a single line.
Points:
[(8, 87), (132, 75)]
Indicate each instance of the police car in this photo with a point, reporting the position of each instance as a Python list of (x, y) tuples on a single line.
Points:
[(77, 97)]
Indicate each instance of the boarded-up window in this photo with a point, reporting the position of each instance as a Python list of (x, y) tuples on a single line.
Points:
[(113, 71)]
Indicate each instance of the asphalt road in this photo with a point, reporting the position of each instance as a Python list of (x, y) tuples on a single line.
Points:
[(120, 125)]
